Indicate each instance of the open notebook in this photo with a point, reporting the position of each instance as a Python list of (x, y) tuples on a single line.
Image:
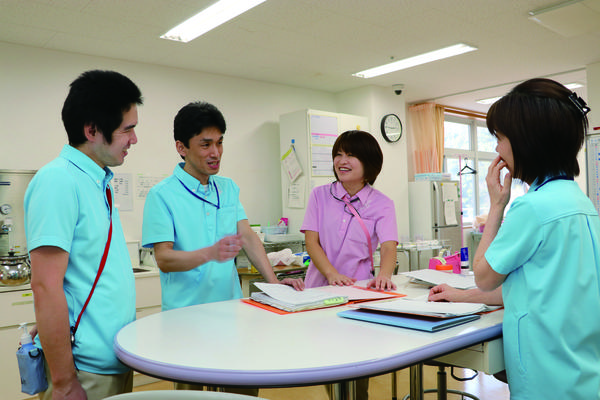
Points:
[(286, 298), (417, 314), (427, 308)]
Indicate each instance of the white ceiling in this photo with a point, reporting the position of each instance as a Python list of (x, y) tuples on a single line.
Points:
[(318, 44)]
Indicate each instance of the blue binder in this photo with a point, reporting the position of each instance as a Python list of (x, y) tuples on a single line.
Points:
[(421, 323)]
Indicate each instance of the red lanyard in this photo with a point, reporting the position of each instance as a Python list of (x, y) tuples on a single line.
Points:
[(364, 228), (100, 268)]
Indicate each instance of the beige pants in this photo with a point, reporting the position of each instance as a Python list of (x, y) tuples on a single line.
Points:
[(96, 386), (245, 391)]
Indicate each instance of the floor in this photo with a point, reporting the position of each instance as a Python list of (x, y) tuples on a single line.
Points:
[(484, 386)]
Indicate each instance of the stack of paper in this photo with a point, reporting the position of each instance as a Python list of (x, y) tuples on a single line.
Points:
[(358, 292), (421, 315), (287, 298), (435, 277), (429, 309)]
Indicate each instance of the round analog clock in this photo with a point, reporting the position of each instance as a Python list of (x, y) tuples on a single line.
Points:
[(391, 128)]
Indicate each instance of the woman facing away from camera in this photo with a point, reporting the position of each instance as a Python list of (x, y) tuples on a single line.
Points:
[(546, 252)]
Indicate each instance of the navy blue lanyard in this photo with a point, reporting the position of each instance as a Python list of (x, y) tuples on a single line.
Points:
[(346, 205), (555, 178), (218, 205)]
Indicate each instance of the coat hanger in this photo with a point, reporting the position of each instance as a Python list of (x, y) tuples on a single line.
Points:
[(467, 170)]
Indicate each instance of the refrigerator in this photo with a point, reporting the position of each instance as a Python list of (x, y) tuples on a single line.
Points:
[(435, 212)]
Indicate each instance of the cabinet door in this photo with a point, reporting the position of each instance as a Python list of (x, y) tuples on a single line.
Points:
[(147, 291), (17, 307)]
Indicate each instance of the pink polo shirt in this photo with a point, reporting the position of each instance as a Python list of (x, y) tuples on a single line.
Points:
[(341, 235)]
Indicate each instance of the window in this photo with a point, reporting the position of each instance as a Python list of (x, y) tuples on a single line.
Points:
[(469, 150), (469, 147)]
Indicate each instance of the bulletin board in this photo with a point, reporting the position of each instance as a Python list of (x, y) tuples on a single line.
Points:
[(592, 154)]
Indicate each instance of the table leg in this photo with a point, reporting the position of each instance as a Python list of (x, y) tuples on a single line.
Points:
[(416, 382), (345, 390), (395, 385)]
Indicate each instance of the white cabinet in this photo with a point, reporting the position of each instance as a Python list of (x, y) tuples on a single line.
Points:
[(16, 306), (147, 289), (487, 357), (147, 302)]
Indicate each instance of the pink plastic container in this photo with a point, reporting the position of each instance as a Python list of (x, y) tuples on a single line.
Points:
[(453, 260)]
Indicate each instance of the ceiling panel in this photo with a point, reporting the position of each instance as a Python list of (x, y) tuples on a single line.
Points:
[(318, 44)]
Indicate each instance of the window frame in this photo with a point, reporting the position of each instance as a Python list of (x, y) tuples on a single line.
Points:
[(472, 154)]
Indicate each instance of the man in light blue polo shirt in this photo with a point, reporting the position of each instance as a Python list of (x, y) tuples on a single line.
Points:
[(195, 221), (69, 217)]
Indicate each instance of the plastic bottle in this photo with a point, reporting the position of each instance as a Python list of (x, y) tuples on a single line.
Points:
[(31, 365), (464, 260)]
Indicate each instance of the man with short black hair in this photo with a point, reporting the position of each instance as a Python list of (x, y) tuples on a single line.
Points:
[(73, 229)]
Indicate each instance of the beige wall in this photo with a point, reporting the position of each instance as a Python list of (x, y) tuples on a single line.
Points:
[(593, 94), (34, 83)]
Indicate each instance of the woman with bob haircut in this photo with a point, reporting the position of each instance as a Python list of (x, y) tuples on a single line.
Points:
[(546, 253), (345, 220)]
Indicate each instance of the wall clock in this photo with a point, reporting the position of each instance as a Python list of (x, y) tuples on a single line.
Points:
[(391, 128)]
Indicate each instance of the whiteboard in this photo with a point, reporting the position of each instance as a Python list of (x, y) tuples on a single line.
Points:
[(592, 154)]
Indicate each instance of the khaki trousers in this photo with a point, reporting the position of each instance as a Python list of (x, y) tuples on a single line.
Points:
[(96, 386)]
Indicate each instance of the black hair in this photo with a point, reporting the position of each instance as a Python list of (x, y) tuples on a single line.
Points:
[(193, 118), (363, 146), (99, 98), (545, 125)]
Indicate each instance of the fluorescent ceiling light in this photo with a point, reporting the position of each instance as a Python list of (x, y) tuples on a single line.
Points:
[(416, 60), (489, 101), (209, 18), (574, 85)]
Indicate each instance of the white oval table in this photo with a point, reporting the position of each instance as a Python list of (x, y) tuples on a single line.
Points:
[(231, 343)]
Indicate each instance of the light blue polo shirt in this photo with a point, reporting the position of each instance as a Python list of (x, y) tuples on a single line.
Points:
[(549, 245), (181, 210), (66, 206)]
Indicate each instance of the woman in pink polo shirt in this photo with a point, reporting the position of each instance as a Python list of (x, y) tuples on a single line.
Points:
[(342, 217)]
